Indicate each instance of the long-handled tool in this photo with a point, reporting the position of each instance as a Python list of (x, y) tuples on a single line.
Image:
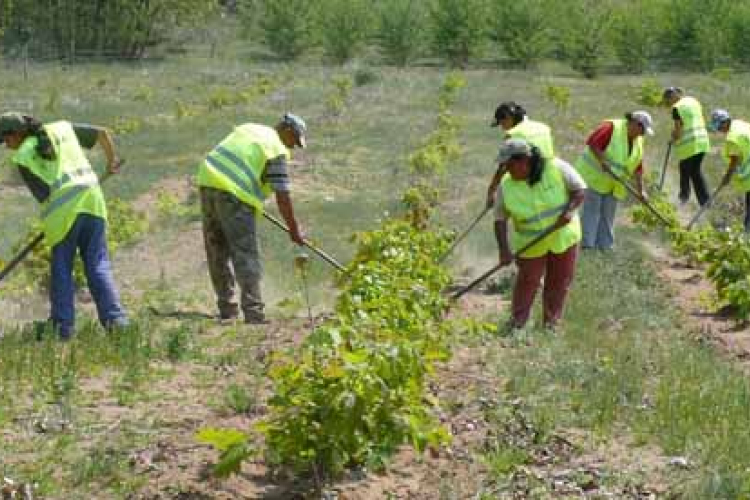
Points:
[(633, 191), (463, 235), (25, 251), (320, 253), (458, 294), (706, 205), (664, 166)]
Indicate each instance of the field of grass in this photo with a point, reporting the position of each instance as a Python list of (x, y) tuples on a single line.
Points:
[(603, 408)]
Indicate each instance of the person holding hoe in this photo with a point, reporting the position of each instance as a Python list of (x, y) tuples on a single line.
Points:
[(512, 119), (736, 154), (234, 181), (52, 163), (615, 147), (691, 142), (538, 195)]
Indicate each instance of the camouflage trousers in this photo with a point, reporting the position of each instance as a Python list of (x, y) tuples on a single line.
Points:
[(232, 253)]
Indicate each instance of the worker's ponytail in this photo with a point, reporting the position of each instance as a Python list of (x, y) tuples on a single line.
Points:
[(536, 166), (519, 113), (33, 127)]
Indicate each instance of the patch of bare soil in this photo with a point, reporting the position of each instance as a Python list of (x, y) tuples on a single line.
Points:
[(476, 409), (695, 295)]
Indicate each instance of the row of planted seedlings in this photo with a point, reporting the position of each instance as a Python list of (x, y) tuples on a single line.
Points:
[(355, 390), (725, 252)]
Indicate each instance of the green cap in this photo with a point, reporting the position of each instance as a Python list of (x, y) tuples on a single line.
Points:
[(11, 121)]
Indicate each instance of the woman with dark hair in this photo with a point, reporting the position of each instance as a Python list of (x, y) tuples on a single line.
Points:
[(538, 193), (616, 145), (53, 165), (512, 119)]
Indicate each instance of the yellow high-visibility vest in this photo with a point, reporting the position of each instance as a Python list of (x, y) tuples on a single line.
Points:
[(73, 184), (738, 140), (622, 161), (535, 133), (535, 208), (694, 137), (237, 164)]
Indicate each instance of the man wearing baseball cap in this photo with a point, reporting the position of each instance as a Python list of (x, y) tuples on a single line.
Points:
[(234, 180), (690, 138), (736, 153), (616, 145)]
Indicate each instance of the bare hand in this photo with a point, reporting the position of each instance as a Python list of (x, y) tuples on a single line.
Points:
[(297, 236), (564, 219), (506, 258), (490, 200), (114, 166)]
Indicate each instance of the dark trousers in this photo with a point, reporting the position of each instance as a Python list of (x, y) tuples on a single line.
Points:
[(747, 211), (690, 171)]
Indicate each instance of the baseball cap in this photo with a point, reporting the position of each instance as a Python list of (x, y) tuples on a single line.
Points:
[(513, 147), (297, 124), (645, 120), (11, 121), (670, 92), (718, 117)]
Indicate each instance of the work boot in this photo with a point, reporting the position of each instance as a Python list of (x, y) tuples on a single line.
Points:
[(256, 319)]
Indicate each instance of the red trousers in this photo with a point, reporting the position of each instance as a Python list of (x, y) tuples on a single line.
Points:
[(558, 271)]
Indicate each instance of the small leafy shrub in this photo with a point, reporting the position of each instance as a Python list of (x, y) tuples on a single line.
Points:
[(336, 101), (558, 95), (649, 93), (365, 76), (123, 125), (233, 447)]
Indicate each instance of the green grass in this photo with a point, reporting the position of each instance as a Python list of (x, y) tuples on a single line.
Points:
[(627, 366)]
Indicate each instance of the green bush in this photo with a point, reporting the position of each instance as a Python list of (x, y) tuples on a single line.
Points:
[(523, 29), (458, 29), (343, 27), (585, 35), (635, 39), (285, 26), (400, 30), (696, 34)]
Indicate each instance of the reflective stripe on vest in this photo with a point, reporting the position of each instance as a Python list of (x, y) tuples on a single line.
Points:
[(238, 163), (694, 136), (72, 182), (250, 184), (62, 197), (533, 209), (622, 158)]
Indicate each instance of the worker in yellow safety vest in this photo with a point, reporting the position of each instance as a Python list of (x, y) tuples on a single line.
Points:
[(690, 140), (616, 145), (52, 163), (537, 194), (736, 153), (234, 180), (512, 119)]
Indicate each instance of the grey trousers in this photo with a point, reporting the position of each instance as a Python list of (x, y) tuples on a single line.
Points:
[(598, 220), (229, 236)]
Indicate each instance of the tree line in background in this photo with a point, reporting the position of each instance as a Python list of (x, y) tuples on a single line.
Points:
[(73, 29), (590, 35)]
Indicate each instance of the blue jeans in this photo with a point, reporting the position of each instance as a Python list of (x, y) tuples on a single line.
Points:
[(598, 220), (88, 235)]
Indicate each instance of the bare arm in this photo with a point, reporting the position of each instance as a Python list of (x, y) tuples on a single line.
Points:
[(284, 202), (734, 162), (493, 186), (501, 236), (104, 139)]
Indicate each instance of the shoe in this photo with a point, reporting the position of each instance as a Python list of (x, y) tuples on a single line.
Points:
[(256, 319)]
